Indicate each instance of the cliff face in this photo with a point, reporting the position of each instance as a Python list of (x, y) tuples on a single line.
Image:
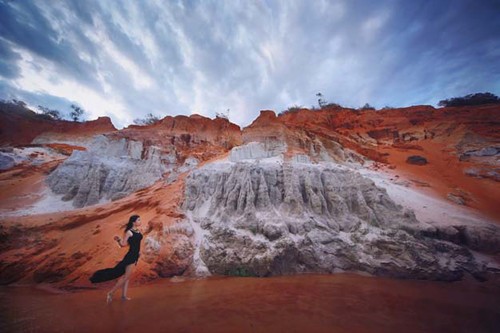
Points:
[(187, 131), (390, 192), (461, 146), (271, 219), (117, 164), (108, 170), (21, 126)]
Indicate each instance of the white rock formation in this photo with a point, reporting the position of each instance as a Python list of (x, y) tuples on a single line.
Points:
[(111, 169), (272, 218), (257, 151), (10, 157)]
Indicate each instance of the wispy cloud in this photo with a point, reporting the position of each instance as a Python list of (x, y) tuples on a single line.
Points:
[(126, 59)]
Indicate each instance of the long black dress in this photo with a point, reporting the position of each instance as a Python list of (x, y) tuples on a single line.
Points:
[(131, 257)]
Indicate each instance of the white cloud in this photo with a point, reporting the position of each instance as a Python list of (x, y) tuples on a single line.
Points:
[(140, 79), (205, 57), (372, 26), (94, 103)]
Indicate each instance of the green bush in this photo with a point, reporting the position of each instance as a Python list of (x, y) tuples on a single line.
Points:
[(49, 113), (367, 107), (149, 120), (471, 99), (291, 109)]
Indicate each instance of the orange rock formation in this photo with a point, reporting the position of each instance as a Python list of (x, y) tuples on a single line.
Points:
[(66, 247), (20, 126)]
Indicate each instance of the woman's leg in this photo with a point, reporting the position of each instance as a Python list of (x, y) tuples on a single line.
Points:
[(128, 273), (118, 284), (121, 281)]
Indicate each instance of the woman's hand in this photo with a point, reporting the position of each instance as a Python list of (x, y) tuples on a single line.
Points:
[(123, 242), (118, 239)]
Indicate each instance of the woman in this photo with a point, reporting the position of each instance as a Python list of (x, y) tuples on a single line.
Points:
[(133, 237)]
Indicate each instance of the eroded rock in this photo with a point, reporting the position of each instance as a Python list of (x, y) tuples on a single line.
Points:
[(109, 170), (269, 218)]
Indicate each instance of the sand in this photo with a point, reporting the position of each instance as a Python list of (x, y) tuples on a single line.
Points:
[(307, 303)]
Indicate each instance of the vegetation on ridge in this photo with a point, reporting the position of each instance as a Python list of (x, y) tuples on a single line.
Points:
[(471, 99), (149, 120), (18, 106)]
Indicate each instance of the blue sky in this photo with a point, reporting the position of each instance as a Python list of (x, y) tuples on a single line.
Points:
[(124, 59)]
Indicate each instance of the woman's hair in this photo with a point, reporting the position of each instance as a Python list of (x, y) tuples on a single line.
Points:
[(131, 221)]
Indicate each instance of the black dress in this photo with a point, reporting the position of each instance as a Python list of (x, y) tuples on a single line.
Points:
[(131, 257)]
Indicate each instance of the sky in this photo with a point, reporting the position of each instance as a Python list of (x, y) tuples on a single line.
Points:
[(125, 59)]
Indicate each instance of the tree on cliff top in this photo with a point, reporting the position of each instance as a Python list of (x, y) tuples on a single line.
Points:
[(77, 112), (321, 101), (471, 99), (324, 104)]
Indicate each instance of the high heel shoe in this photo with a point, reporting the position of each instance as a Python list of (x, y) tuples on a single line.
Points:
[(125, 298), (109, 298)]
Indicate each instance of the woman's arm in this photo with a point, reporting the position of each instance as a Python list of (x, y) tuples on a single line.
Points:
[(123, 242)]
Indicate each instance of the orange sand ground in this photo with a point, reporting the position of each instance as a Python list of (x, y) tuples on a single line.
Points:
[(307, 303), (444, 174), (21, 186), (71, 245)]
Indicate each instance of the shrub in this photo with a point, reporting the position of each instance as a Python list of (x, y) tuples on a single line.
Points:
[(19, 103), (324, 104), (49, 113), (291, 109), (471, 99), (149, 120), (223, 115), (367, 107), (331, 106)]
